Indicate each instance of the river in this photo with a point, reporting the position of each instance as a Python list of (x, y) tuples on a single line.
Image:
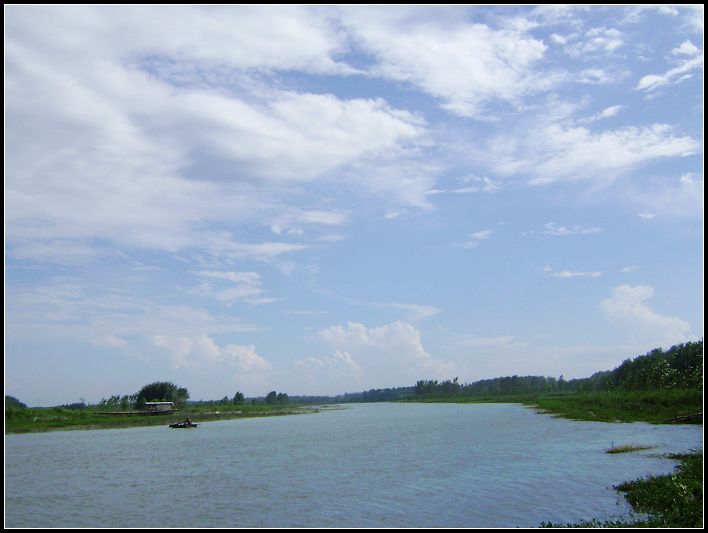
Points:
[(367, 465)]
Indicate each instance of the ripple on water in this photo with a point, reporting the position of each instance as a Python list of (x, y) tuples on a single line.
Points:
[(375, 465)]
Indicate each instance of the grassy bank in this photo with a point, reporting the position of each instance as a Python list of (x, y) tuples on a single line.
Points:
[(655, 406), (674, 500), (27, 420)]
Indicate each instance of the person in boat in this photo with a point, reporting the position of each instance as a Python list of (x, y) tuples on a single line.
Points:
[(188, 422)]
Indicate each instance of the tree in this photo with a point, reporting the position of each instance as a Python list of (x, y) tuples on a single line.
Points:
[(274, 398), (271, 398), (11, 401), (161, 391), (239, 398)]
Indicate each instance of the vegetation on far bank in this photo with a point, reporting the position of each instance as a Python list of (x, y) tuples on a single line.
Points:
[(129, 410), (63, 418), (678, 368), (655, 387), (653, 406)]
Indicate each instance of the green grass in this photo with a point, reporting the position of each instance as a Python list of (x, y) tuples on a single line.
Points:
[(621, 406), (655, 406), (19, 420), (672, 501)]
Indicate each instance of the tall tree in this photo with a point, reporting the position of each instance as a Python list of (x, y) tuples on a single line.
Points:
[(161, 391)]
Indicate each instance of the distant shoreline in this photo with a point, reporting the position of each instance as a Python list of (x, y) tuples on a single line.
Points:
[(654, 407), (39, 420)]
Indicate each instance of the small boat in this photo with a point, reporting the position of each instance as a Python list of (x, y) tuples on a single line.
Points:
[(183, 425)]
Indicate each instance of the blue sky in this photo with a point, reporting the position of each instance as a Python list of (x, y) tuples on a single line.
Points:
[(319, 200)]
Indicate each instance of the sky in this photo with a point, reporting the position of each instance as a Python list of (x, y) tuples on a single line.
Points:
[(330, 199)]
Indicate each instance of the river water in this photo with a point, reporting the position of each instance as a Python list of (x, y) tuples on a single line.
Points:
[(367, 465)]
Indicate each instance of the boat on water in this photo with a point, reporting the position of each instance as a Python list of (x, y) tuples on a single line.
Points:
[(183, 425)]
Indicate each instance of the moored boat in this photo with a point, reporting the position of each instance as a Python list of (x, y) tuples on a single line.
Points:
[(183, 425)]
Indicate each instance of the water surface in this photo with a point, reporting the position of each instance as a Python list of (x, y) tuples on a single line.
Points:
[(368, 465)]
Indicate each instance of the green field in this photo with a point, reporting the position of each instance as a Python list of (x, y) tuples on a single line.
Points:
[(28, 420), (656, 406)]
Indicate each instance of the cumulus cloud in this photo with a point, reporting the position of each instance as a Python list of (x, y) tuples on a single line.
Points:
[(340, 367), (380, 356), (628, 308), (184, 351)]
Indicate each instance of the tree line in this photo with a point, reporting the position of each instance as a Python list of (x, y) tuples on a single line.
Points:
[(679, 367)]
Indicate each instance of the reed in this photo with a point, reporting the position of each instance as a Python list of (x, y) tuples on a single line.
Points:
[(628, 448)]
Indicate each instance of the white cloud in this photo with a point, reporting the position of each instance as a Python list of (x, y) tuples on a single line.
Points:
[(120, 315), (470, 184), (466, 66), (416, 312), (244, 357), (681, 197), (339, 367), (482, 235), (687, 48), (389, 355), (105, 146), (628, 308), (556, 152), (596, 41), (245, 286), (565, 274), (292, 221), (475, 239), (681, 72), (610, 111), (595, 76), (568, 274), (250, 37), (551, 228), (201, 350), (605, 113)]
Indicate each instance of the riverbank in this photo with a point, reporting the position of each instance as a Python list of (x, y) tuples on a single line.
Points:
[(653, 406), (673, 500), (32, 420)]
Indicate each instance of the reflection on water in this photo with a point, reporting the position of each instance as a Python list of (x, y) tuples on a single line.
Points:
[(370, 465)]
